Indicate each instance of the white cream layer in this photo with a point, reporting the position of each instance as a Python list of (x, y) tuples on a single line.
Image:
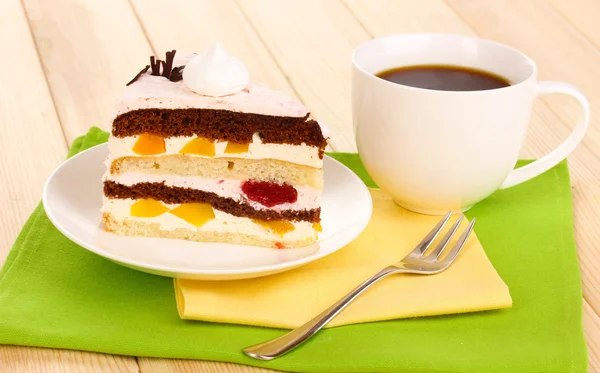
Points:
[(223, 222), (308, 198), (298, 154)]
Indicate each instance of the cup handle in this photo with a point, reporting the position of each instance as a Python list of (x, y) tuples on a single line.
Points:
[(563, 150)]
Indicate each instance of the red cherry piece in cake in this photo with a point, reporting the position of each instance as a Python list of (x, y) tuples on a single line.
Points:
[(269, 194), (279, 245)]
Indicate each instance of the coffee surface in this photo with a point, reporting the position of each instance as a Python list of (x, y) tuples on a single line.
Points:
[(444, 78)]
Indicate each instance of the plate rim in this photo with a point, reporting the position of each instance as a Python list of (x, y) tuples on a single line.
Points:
[(279, 267)]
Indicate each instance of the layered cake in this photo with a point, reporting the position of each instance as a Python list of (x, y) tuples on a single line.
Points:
[(199, 152)]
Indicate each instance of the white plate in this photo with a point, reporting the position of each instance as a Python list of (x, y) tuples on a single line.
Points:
[(73, 197)]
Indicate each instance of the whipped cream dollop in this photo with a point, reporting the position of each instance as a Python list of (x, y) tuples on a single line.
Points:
[(215, 73)]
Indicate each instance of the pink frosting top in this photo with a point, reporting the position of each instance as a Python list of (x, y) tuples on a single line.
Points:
[(159, 92)]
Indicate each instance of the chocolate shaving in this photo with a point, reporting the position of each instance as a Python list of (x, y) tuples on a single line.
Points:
[(176, 74), (158, 64), (155, 66), (142, 72), (168, 66), (173, 74)]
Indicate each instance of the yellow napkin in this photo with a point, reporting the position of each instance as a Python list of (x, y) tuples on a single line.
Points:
[(289, 299)]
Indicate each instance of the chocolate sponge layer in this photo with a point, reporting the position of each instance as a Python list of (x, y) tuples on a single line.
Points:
[(177, 195), (220, 125)]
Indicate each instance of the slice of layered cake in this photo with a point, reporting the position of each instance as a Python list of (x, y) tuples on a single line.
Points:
[(198, 152)]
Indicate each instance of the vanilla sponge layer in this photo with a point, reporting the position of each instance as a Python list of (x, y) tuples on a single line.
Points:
[(279, 172), (223, 228), (297, 154)]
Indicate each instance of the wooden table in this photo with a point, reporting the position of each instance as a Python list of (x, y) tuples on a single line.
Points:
[(66, 62)]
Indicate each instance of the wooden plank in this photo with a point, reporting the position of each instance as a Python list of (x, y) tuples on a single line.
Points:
[(150, 365), (387, 17), (14, 359), (90, 50), (312, 42), (32, 146), (582, 14)]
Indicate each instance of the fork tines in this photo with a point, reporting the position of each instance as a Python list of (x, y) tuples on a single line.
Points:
[(421, 251)]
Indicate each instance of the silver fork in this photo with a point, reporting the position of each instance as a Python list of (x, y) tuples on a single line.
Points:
[(416, 262)]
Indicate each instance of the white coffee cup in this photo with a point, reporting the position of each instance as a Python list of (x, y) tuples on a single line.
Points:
[(435, 151)]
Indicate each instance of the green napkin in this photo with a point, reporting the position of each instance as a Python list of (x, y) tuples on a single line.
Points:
[(54, 293)]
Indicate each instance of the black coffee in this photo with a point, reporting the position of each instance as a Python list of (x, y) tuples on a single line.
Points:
[(444, 78)]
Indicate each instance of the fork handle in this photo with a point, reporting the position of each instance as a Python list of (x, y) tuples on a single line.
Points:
[(287, 342)]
